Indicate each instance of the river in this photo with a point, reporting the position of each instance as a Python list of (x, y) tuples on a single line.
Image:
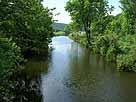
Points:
[(73, 74)]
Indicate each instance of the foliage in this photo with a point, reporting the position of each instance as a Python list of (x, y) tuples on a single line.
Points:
[(115, 46), (67, 29), (129, 10), (10, 55), (126, 61), (85, 12), (27, 22), (112, 36), (106, 45), (24, 25), (10, 60), (99, 26), (79, 37), (59, 26)]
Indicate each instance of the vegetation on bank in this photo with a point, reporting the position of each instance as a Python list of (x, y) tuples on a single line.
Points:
[(59, 33), (25, 25), (78, 37), (61, 29), (10, 60), (117, 49), (111, 36), (10, 55)]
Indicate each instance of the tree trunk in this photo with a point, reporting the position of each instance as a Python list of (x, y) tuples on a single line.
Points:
[(88, 33), (88, 36)]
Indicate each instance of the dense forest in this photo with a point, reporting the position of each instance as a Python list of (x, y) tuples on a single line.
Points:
[(60, 29), (111, 36), (59, 26)]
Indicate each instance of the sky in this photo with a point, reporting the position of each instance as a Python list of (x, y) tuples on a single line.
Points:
[(64, 17)]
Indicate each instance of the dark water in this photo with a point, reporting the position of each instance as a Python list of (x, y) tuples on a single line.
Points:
[(73, 74)]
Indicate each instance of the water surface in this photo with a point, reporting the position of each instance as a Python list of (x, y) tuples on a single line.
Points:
[(73, 74)]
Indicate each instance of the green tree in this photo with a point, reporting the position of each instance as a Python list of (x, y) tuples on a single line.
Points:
[(27, 22), (85, 12), (100, 26), (129, 11), (67, 29)]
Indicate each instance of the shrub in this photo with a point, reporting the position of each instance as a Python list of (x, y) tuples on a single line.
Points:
[(10, 59), (116, 48), (106, 45), (27, 22), (127, 60), (79, 37), (10, 55)]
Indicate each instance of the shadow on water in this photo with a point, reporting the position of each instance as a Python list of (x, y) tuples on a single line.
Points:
[(28, 81)]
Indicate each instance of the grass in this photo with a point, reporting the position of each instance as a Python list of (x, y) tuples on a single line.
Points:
[(59, 33)]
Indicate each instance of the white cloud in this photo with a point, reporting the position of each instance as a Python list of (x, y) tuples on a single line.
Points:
[(116, 5), (63, 17)]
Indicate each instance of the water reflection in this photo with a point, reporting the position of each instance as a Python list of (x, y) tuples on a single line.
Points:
[(76, 75), (28, 82), (73, 74), (27, 90), (92, 78)]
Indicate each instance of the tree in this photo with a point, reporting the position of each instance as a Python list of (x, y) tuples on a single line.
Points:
[(129, 11), (100, 26), (84, 12), (67, 29), (27, 22)]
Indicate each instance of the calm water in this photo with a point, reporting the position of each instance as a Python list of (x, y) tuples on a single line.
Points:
[(73, 74)]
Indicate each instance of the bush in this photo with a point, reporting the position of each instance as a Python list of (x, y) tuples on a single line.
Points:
[(106, 45), (27, 22), (10, 60), (127, 60), (10, 55), (116, 48), (126, 63), (79, 37)]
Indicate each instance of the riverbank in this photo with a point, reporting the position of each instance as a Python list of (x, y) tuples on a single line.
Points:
[(10, 64), (59, 33), (114, 47), (14, 86), (74, 73), (71, 71)]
